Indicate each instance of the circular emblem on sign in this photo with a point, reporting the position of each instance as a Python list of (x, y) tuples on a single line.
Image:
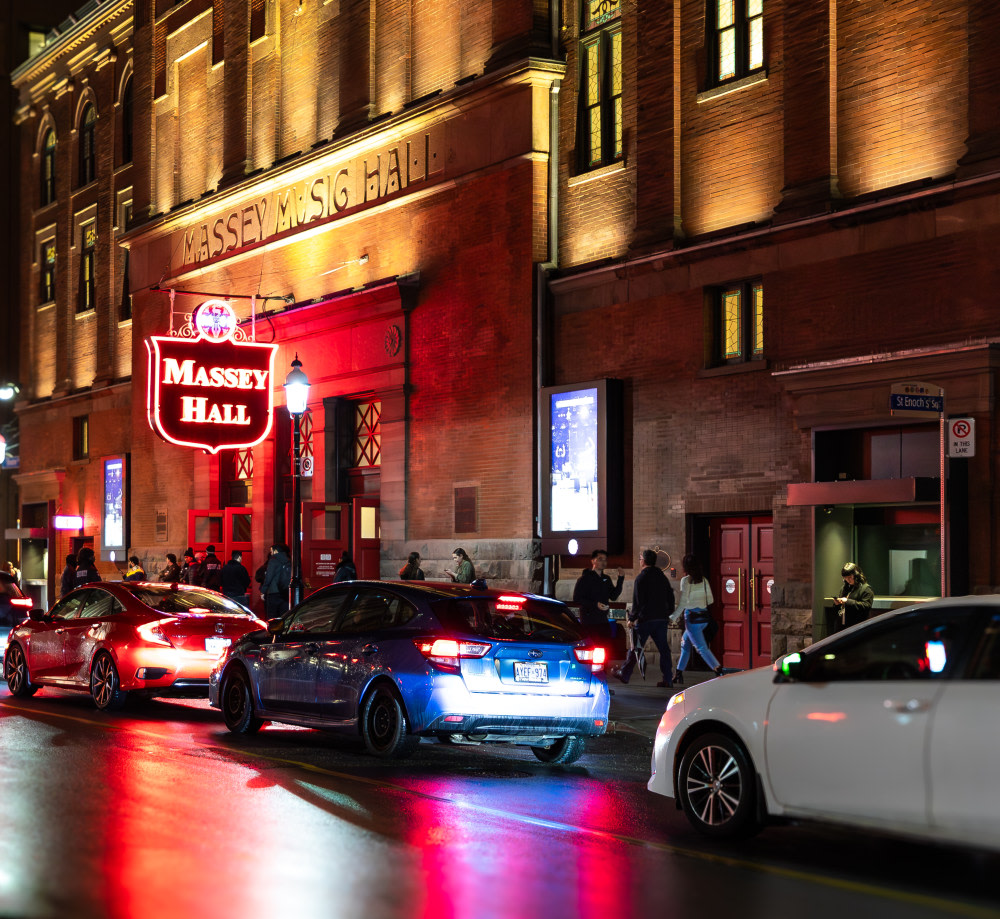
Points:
[(307, 466), (215, 320), (730, 586), (961, 428), (393, 338), (573, 546), (770, 584)]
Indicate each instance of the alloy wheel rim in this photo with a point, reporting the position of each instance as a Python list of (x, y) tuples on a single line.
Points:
[(715, 786), (15, 670), (236, 699), (102, 682)]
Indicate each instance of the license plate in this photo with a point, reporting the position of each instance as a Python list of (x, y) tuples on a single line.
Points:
[(533, 672), (216, 646)]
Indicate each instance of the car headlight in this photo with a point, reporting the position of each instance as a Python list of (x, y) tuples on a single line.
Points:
[(676, 699)]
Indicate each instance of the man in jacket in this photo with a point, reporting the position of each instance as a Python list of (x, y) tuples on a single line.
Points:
[(652, 604), (236, 579), (594, 592), (276, 580), (211, 574)]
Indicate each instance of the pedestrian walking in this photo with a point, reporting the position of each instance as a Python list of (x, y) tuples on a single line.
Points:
[(594, 592), (652, 604), (696, 598), (412, 571), (68, 579), (236, 579)]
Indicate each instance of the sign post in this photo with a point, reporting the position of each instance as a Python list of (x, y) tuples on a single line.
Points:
[(923, 400)]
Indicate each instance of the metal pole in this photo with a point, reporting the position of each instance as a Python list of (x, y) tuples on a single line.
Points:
[(944, 544), (295, 584)]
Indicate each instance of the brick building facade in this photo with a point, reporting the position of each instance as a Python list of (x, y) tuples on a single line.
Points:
[(760, 217)]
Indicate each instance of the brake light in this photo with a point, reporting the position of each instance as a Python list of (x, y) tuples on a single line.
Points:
[(23, 602), (510, 603), (447, 652), (593, 656), (153, 632)]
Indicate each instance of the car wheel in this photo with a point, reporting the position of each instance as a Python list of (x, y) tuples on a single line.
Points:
[(717, 787), (237, 703), (563, 751), (384, 725), (15, 672), (105, 685)]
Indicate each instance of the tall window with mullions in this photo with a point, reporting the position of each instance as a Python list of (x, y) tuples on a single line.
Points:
[(600, 119), (736, 38), (739, 322)]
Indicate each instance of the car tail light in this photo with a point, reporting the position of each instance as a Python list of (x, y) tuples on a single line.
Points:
[(153, 632), (21, 602), (447, 652), (511, 603), (593, 656)]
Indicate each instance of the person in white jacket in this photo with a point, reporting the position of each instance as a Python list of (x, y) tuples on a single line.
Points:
[(696, 598)]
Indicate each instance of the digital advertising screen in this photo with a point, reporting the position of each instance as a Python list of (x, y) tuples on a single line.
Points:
[(581, 481), (114, 512)]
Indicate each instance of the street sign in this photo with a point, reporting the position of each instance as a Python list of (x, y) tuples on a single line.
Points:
[(921, 399), (961, 437)]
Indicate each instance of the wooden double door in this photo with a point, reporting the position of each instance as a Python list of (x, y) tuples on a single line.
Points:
[(742, 578)]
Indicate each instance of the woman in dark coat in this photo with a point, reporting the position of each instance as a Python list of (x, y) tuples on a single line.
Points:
[(412, 571), (856, 597)]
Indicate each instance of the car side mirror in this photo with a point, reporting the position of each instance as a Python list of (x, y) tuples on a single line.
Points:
[(275, 626), (38, 615), (788, 669)]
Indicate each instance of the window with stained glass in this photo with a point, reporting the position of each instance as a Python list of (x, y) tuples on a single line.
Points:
[(48, 168), (88, 268), (47, 273), (88, 153), (736, 33), (740, 322), (368, 434), (600, 134)]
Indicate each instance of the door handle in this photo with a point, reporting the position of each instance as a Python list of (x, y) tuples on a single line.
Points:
[(909, 707), (753, 591), (739, 589), (60, 631), (370, 649), (312, 647)]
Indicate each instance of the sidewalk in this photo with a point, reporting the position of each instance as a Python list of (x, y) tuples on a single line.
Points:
[(636, 707)]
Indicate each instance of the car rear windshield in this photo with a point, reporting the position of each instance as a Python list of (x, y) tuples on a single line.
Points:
[(166, 599), (528, 619), (9, 589)]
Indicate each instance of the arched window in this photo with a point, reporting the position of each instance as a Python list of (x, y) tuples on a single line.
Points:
[(127, 123), (88, 160), (48, 168)]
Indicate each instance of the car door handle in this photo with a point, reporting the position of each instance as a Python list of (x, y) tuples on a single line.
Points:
[(312, 647), (910, 706), (60, 631), (370, 649)]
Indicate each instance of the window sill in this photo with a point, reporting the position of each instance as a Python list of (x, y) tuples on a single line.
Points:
[(47, 305), (728, 369), (84, 314), (600, 172), (732, 87)]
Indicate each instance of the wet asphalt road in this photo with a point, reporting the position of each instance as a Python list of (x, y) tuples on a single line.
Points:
[(159, 812)]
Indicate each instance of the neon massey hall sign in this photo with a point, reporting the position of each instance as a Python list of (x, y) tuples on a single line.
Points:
[(208, 387)]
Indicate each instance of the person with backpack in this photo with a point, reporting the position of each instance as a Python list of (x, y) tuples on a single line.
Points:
[(696, 598), (652, 604)]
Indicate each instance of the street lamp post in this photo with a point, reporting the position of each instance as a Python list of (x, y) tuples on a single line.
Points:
[(296, 398)]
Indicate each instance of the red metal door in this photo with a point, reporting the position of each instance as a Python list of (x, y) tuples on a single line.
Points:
[(326, 533), (206, 528), (367, 537), (742, 577)]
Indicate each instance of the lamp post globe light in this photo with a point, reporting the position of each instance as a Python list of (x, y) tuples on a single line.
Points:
[(296, 399)]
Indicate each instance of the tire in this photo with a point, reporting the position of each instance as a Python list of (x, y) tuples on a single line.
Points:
[(237, 703), (15, 672), (105, 684), (564, 751), (717, 787), (384, 725)]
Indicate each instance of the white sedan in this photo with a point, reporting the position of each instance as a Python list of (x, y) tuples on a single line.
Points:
[(893, 724)]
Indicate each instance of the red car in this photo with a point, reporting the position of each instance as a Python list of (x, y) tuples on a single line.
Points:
[(112, 639), (14, 606)]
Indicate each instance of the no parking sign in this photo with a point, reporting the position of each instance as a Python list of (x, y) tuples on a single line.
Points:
[(961, 437)]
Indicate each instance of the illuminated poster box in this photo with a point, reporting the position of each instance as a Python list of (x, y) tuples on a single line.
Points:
[(582, 472), (114, 508)]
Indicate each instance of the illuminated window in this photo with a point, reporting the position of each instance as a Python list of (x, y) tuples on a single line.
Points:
[(47, 272), (736, 38), (88, 157), (739, 322), (48, 168), (88, 266), (600, 118), (81, 437), (368, 434)]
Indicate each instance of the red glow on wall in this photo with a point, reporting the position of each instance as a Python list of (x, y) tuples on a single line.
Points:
[(210, 391)]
